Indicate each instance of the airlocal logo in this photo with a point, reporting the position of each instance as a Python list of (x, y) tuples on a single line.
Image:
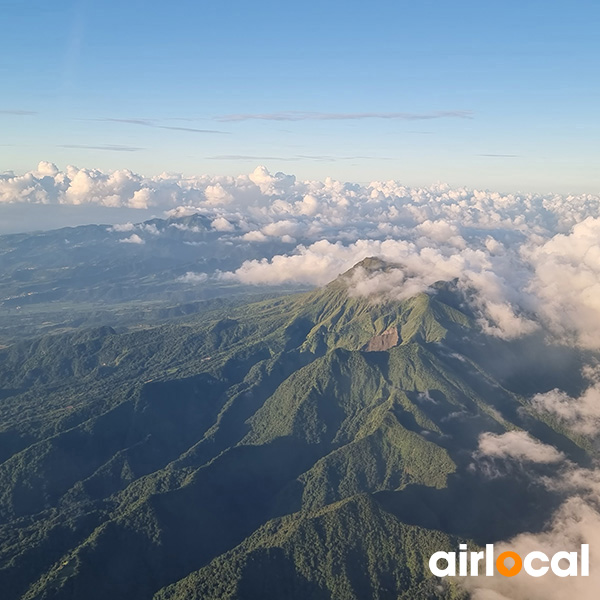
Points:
[(535, 563)]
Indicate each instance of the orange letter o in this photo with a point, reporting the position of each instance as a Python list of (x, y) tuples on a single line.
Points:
[(503, 569)]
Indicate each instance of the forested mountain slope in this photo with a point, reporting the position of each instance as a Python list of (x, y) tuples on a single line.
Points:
[(316, 445)]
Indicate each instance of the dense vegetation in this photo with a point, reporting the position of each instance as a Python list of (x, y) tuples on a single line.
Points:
[(276, 449)]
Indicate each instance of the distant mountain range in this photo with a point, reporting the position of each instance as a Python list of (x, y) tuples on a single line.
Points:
[(119, 263), (67, 278), (309, 446)]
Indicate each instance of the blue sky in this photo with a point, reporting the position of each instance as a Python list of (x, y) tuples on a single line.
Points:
[(502, 95)]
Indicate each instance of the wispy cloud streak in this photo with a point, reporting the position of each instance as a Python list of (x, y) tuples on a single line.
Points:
[(107, 147), (296, 158), (321, 116), (156, 125), (18, 112)]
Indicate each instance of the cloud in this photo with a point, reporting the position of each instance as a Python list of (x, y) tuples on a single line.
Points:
[(318, 116), (518, 446), (181, 211), (190, 228), (46, 169), (217, 194), (108, 147), (443, 232), (317, 264), (581, 414), (567, 280), (156, 124), (133, 239), (499, 155), (149, 228), (190, 129), (18, 112), (296, 158), (262, 177), (120, 227), (254, 236), (251, 158), (222, 224), (280, 228), (191, 277)]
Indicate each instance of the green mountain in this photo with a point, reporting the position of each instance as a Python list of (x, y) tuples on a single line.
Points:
[(85, 276), (315, 445), (301, 556)]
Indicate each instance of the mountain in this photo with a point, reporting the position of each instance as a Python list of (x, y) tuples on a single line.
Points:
[(315, 445), (81, 276), (291, 558)]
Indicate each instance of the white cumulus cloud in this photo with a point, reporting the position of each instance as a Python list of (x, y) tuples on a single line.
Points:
[(133, 239)]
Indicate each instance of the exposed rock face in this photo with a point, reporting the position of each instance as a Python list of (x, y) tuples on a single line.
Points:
[(388, 339)]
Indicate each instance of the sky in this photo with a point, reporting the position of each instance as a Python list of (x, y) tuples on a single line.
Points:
[(495, 95)]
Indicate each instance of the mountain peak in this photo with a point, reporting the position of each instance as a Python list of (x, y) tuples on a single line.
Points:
[(335, 316), (446, 291), (370, 264)]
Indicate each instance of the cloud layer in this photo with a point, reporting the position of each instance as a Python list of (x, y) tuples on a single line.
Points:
[(529, 260)]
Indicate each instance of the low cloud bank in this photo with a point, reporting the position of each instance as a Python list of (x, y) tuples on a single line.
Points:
[(530, 260), (581, 414)]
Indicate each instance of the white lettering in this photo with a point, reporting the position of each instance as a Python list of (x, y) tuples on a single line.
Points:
[(585, 560), (558, 570), (450, 570), (489, 560), (475, 558), (530, 569)]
